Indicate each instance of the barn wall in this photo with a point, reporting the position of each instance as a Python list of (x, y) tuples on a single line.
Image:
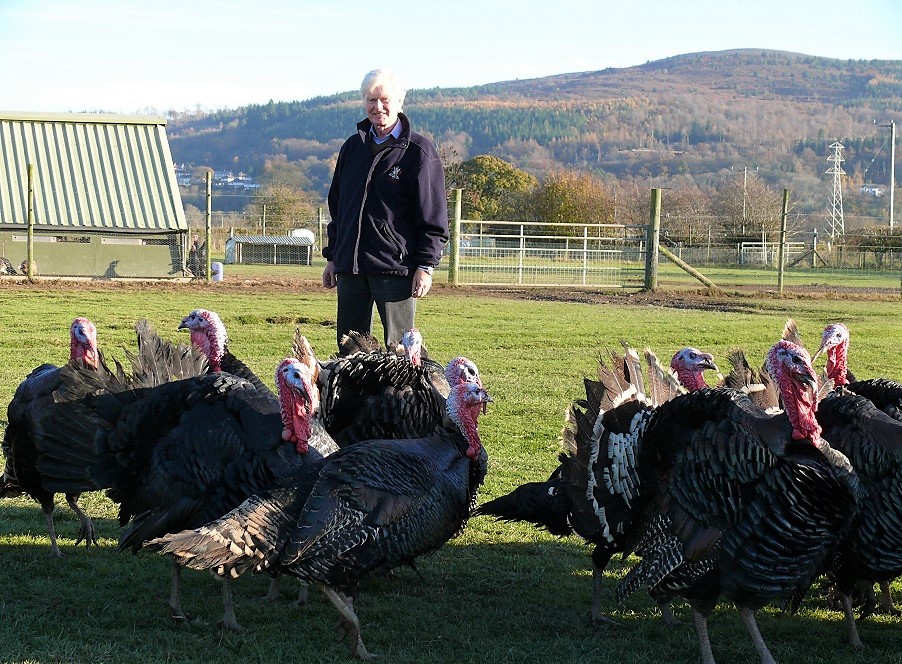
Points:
[(98, 255)]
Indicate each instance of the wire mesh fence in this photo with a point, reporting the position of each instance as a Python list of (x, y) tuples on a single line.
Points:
[(503, 253), (541, 254)]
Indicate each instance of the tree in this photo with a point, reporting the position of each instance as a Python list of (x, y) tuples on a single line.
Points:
[(194, 216), (746, 207), (283, 206), (685, 213), (492, 188), (572, 197), (279, 171)]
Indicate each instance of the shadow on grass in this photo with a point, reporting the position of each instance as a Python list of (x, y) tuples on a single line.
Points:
[(468, 602)]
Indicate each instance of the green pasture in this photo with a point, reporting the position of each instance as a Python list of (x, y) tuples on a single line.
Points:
[(500, 593)]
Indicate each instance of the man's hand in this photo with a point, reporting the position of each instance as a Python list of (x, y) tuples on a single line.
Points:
[(329, 275), (422, 282)]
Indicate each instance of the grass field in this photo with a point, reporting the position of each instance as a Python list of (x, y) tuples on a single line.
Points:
[(500, 592)]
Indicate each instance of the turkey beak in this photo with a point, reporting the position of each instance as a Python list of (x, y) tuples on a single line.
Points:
[(183, 325), (304, 397), (819, 351), (707, 363), (810, 383), (485, 403)]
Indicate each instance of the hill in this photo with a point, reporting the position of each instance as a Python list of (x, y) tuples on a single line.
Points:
[(685, 121)]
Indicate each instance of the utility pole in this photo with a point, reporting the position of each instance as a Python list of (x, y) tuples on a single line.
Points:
[(745, 179), (892, 167), (837, 228)]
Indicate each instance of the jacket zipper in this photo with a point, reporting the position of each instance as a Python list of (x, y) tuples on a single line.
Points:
[(366, 191)]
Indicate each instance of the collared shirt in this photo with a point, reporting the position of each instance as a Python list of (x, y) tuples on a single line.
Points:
[(394, 133)]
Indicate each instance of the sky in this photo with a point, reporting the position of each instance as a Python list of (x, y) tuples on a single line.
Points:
[(157, 56)]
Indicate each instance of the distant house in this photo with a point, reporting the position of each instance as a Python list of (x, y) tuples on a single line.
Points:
[(230, 180), (872, 189), (106, 201)]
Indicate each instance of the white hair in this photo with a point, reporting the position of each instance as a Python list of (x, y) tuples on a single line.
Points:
[(387, 80)]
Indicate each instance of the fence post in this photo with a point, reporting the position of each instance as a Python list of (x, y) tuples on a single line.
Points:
[(522, 254), (782, 248), (29, 245), (585, 253), (319, 223), (208, 222), (651, 241), (454, 256)]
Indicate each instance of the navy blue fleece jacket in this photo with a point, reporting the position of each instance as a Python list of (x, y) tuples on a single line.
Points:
[(389, 210)]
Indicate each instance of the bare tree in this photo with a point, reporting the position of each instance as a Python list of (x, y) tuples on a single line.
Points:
[(746, 206), (282, 207)]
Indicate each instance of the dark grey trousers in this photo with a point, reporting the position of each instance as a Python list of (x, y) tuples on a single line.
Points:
[(390, 293)]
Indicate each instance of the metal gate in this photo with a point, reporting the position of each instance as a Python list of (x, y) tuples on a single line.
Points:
[(505, 253)]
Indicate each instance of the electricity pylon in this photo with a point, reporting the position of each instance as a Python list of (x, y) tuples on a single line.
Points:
[(836, 224)]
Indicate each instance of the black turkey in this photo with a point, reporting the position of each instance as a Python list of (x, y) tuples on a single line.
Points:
[(886, 393), (380, 394), (178, 455), (689, 364), (757, 383), (6, 267), (374, 506), (744, 504), (598, 489), (209, 334), (31, 398), (860, 418)]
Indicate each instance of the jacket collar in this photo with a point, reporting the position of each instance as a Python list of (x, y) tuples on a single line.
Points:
[(363, 130)]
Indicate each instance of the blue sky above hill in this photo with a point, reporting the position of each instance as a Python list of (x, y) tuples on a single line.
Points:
[(137, 56)]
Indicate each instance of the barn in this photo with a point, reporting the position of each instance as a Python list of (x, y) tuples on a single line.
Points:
[(106, 202)]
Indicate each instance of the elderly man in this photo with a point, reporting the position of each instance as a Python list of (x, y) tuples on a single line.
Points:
[(389, 215)]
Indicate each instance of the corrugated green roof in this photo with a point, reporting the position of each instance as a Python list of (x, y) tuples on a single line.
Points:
[(92, 171)]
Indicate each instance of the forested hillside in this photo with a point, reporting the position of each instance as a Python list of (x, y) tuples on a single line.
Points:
[(686, 121)]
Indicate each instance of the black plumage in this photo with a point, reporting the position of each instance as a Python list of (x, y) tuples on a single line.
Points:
[(33, 395), (374, 506), (747, 505), (599, 488), (6, 266), (183, 453), (372, 393)]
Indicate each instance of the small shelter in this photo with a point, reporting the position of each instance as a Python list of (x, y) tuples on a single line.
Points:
[(270, 249), (106, 202)]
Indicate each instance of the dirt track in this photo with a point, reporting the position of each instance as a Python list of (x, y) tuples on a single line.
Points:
[(735, 299)]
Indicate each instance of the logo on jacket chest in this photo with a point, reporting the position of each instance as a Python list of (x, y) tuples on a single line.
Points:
[(395, 173)]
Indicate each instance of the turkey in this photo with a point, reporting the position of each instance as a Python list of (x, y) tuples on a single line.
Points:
[(359, 342), (178, 455), (859, 418), (379, 394), (32, 396), (415, 350), (755, 382), (209, 334), (374, 506), (884, 392), (6, 267), (580, 495), (689, 364), (23, 268), (743, 503)]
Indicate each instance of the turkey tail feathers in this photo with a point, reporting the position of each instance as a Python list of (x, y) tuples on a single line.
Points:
[(158, 361), (249, 538)]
